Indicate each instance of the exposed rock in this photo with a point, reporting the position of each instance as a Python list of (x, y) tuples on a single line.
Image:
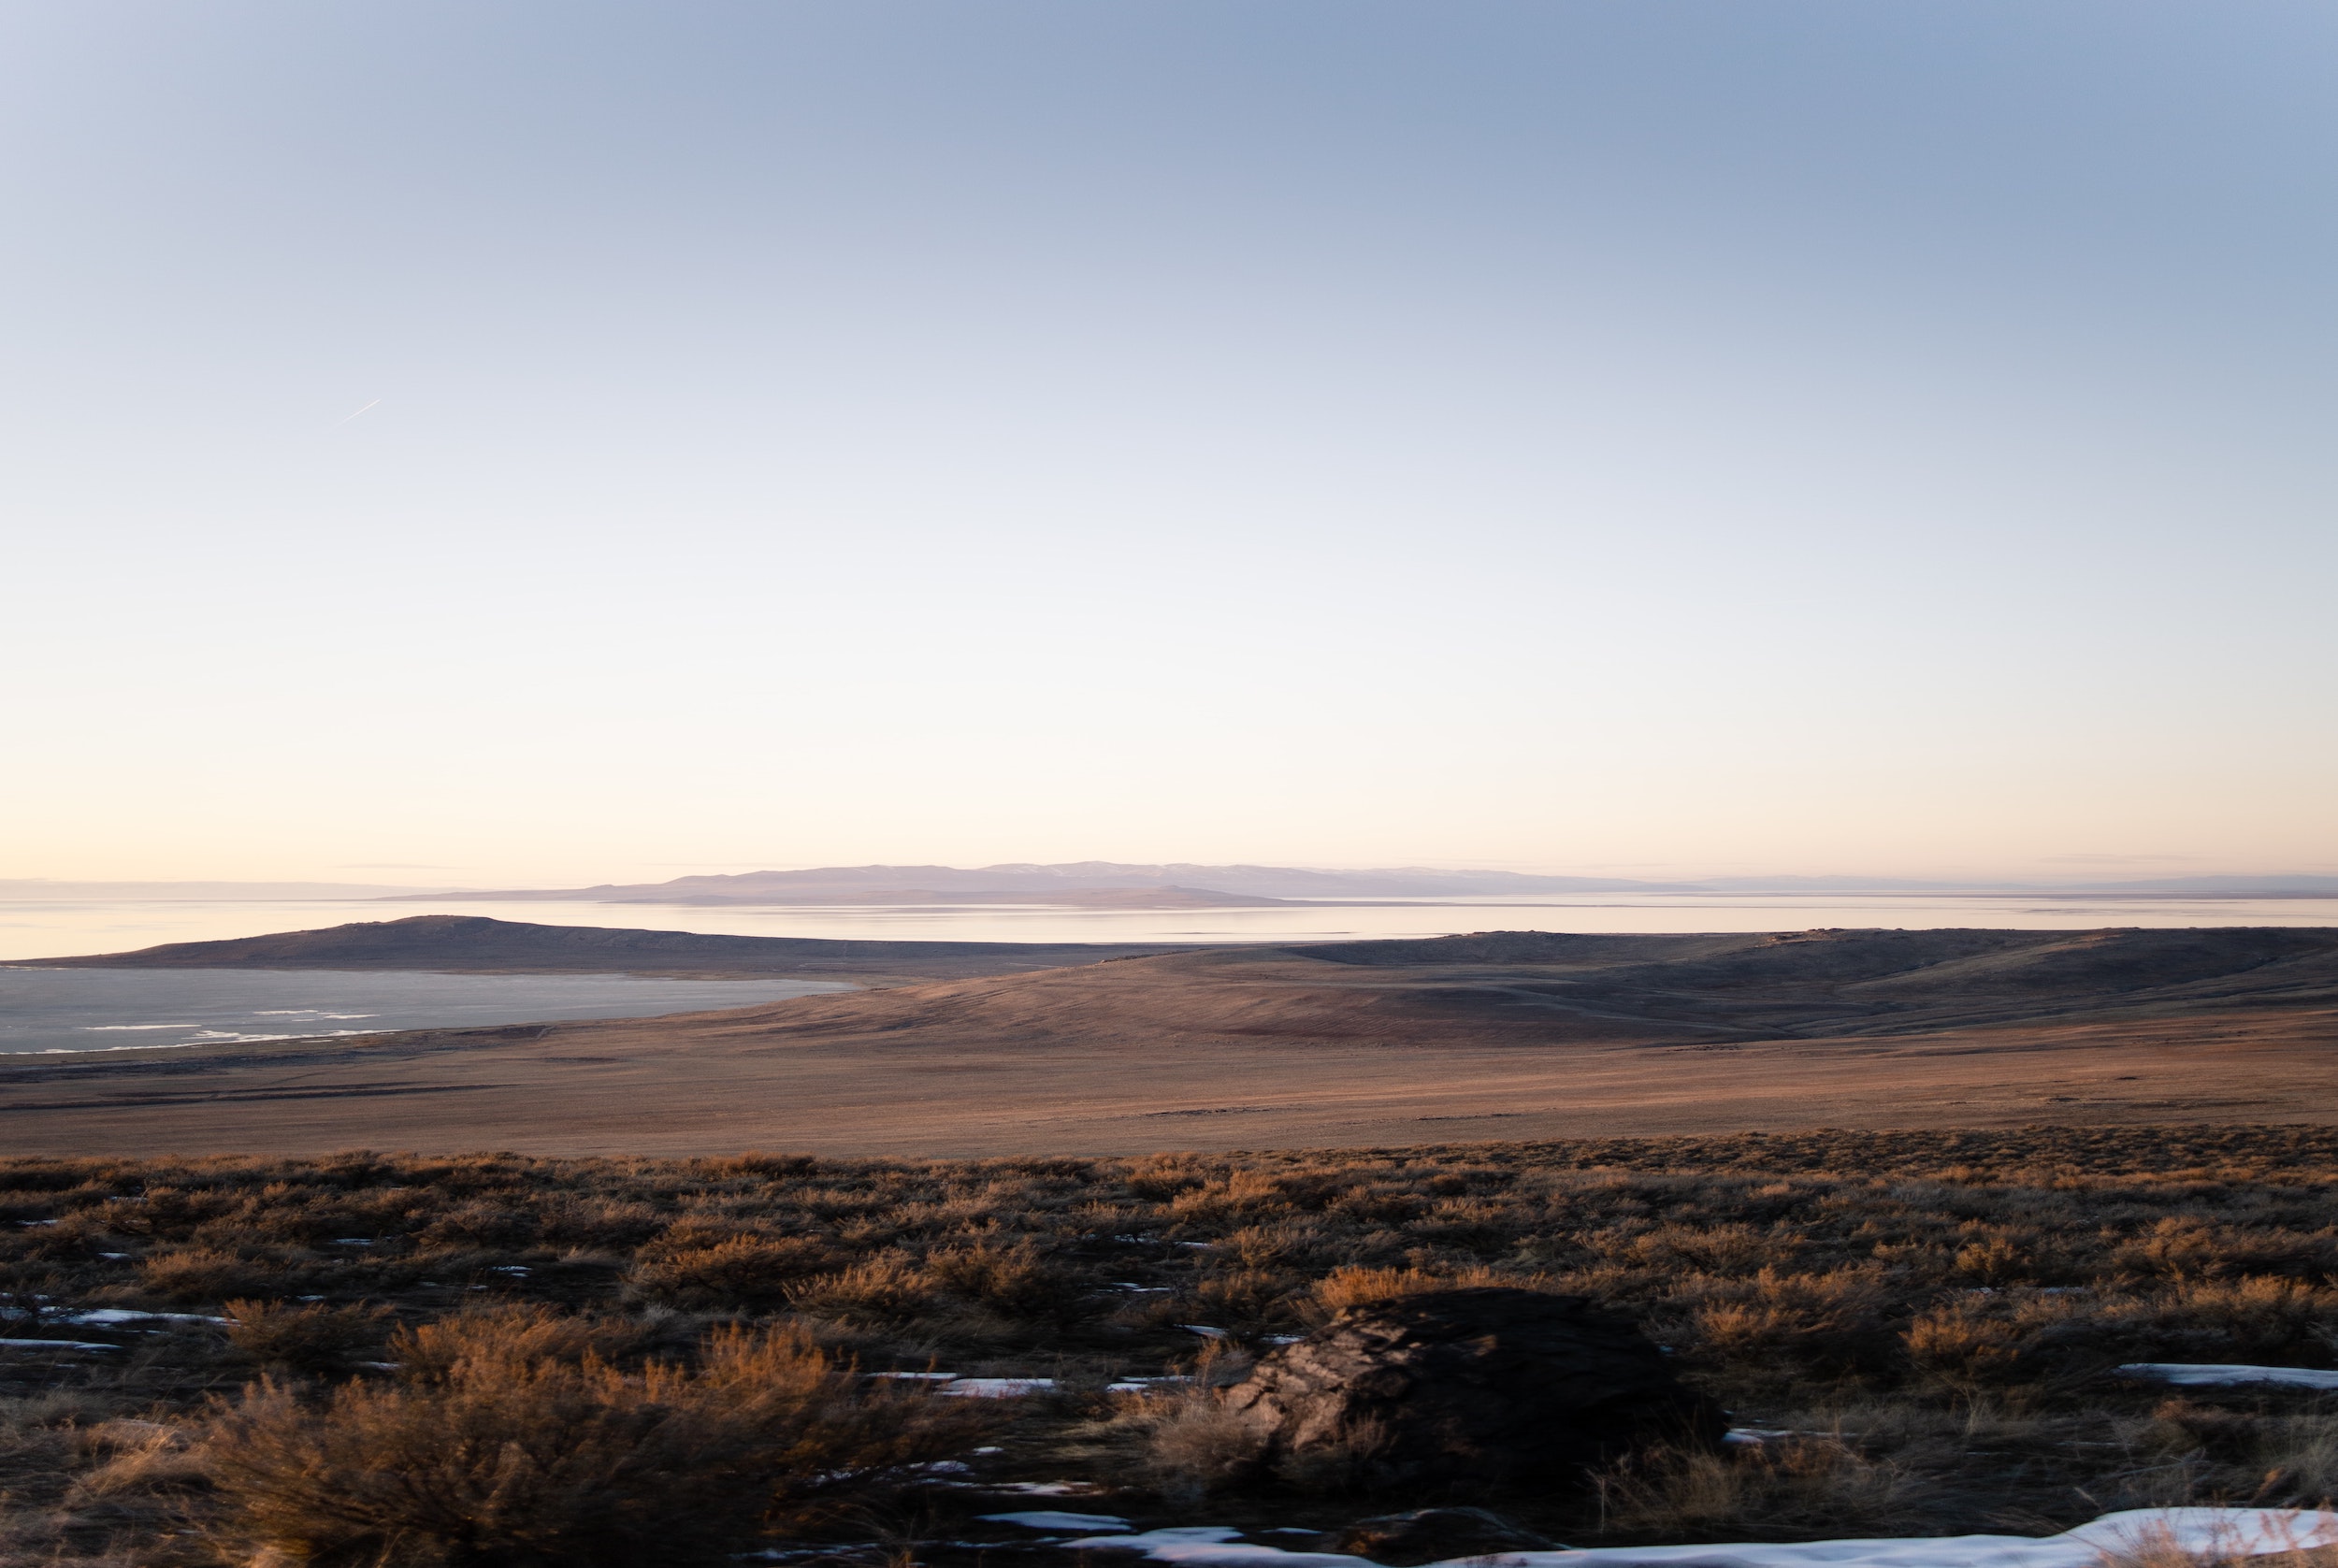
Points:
[(1462, 1392), (1434, 1535)]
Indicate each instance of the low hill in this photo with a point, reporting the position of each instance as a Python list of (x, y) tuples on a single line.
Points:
[(1497, 1035), (1862, 982), (1540, 989), (464, 943)]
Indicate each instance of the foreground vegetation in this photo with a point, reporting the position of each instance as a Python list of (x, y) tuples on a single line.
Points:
[(497, 1359)]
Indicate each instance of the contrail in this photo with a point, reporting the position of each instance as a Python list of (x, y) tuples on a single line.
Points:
[(376, 403)]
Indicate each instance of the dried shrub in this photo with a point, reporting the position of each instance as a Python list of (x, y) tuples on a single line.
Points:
[(1338, 1462), (1781, 1324), (490, 1452), (1248, 1300), (2288, 1459), (2265, 1320), (886, 1293), (1965, 1350), (1783, 1489), (200, 1276), (304, 1338), (2156, 1545), (480, 1224), (1716, 1249), (138, 1457), (1016, 1281), (1353, 1287), (750, 1273), (566, 1220), (1996, 1260), (1193, 1444), (431, 1351)]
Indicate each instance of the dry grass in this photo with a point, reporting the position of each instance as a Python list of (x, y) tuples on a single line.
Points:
[(1193, 1444), (308, 1340), (1784, 1490), (1354, 1287), (2159, 1546), (1949, 1306)]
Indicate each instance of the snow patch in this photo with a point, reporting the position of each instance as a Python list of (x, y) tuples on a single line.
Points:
[(1055, 1519), (1214, 1546), (995, 1387), (2222, 1531), (2205, 1374), (106, 1317)]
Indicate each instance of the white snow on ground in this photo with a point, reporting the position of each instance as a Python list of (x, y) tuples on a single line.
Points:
[(1052, 1518), (105, 1317), (1215, 1546), (1008, 1388), (54, 1344), (2201, 1375), (2225, 1531), (995, 1387)]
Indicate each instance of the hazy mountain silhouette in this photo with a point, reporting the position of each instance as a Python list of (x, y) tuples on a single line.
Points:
[(1179, 885)]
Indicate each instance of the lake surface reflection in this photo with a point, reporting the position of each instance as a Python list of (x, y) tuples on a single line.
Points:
[(79, 1010)]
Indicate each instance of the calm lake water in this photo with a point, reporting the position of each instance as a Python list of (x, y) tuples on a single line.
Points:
[(99, 1010)]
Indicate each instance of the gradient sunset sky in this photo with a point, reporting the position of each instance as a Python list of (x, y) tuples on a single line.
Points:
[(495, 441)]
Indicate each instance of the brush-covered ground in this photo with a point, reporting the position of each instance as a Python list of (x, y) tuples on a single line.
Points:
[(510, 1360)]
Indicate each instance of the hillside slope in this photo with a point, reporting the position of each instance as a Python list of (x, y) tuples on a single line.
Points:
[(472, 943), (1524, 989), (1515, 1035)]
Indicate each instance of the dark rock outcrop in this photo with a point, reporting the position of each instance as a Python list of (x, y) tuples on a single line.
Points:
[(1463, 1392), (1434, 1535)]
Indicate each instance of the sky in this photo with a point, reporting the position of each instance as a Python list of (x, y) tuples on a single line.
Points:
[(490, 442)]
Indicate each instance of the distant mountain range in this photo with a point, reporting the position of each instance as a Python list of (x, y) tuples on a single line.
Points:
[(1084, 883), (1104, 883)]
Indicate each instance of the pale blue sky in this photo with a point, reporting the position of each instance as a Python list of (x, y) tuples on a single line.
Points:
[(1697, 438)]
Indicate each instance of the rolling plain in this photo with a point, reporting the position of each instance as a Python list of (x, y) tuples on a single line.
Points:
[(991, 1049)]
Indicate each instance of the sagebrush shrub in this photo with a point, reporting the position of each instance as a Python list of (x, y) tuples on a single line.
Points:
[(198, 1276), (307, 1339), (886, 1293), (750, 1273), (1786, 1486), (497, 1446)]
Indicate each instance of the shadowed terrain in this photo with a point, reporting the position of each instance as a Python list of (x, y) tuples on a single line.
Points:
[(1502, 1035)]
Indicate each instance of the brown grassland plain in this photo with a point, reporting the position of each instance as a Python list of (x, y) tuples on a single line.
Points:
[(505, 1359), (1508, 1035)]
